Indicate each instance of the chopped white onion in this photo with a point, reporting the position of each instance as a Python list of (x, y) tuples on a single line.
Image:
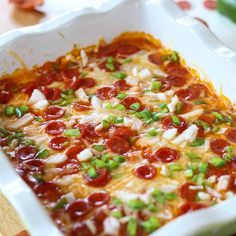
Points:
[(111, 225), (192, 114), (70, 197), (85, 155), (161, 96), (223, 182), (91, 226), (135, 71), (170, 133), (81, 95), (204, 196), (171, 106), (159, 72), (96, 102), (84, 57), (131, 80), (144, 73), (41, 105), (57, 158), (36, 96), (24, 120), (213, 192)]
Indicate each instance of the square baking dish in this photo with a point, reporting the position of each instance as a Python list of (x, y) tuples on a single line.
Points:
[(161, 18)]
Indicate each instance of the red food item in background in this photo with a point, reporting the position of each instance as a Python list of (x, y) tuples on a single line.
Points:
[(51, 94), (167, 123), (184, 5), (106, 93), (81, 229), (101, 180), (118, 144), (210, 4), (103, 66), (121, 85), (25, 152), (48, 191), (29, 87), (165, 85), (87, 83), (231, 135), (106, 51), (55, 127), (126, 49), (124, 132), (5, 96), (156, 58), (187, 193), (166, 155), (188, 94), (44, 80), (59, 143), (74, 151), (177, 81), (191, 206), (218, 146), (128, 101), (70, 73), (82, 106), (27, 4), (98, 198), (208, 118), (145, 171), (78, 208), (53, 113)]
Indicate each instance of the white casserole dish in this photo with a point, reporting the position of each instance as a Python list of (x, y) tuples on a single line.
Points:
[(161, 18)]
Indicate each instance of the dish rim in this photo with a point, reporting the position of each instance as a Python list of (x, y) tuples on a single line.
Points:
[(180, 17)]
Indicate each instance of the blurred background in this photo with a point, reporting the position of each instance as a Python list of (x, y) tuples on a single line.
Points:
[(20, 13)]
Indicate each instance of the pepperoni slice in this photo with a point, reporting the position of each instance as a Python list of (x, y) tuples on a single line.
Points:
[(107, 51), (44, 80), (104, 66), (87, 131), (25, 153), (106, 93), (188, 94), (126, 49), (165, 85), (145, 171), (166, 155), (186, 106), (102, 178), (227, 169), (29, 87), (103, 132), (124, 132), (156, 58), (118, 144), (218, 146), (69, 73), (128, 101), (55, 127), (59, 143), (231, 135), (177, 81), (167, 123), (191, 206), (33, 165), (81, 229), (121, 85), (53, 113), (48, 191), (176, 69), (78, 208), (74, 151), (82, 106), (87, 83), (3, 142), (184, 5), (5, 96), (210, 4), (208, 118), (187, 193), (51, 94), (98, 199)]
